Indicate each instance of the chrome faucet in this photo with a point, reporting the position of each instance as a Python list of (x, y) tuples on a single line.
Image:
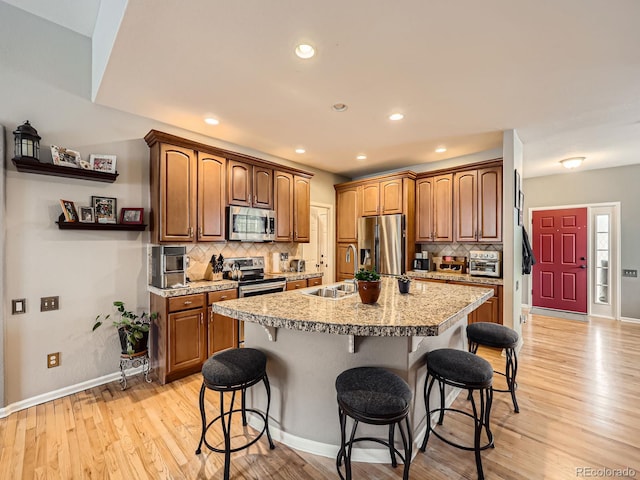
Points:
[(350, 247)]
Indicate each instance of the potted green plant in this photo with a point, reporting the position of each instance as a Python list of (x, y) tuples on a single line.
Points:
[(368, 285), (404, 282), (133, 329)]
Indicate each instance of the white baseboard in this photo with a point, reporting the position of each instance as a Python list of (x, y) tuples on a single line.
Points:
[(629, 319), (63, 392)]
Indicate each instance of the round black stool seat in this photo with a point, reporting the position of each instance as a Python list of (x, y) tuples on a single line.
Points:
[(231, 371), (492, 335), (460, 369), (498, 336), (378, 397), (233, 367)]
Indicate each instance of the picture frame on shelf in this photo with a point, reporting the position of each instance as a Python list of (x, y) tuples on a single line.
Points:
[(105, 209), (132, 216), (65, 157), (103, 163), (87, 214), (69, 210)]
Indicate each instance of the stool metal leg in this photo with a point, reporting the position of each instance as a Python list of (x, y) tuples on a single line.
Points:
[(226, 431), (266, 415), (347, 461), (392, 451), (407, 443), (204, 419), (510, 374), (243, 403), (343, 425), (427, 394)]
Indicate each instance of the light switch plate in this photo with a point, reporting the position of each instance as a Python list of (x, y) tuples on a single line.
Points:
[(18, 306), (49, 303), (629, 273)]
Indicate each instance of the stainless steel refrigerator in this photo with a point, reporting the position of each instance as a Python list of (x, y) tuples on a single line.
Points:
[(381, 244)]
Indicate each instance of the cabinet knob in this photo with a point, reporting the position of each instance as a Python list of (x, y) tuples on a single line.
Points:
[(188, 302), (190, 232), (200, 231), (223, 297)]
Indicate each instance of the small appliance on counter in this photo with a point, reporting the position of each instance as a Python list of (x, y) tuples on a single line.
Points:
[(168, 266), (422, 261), (485, 263), (450, 264), (297, 265)]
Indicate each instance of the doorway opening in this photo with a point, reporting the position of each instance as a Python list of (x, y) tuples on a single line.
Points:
[(319, 252), (578, 269)]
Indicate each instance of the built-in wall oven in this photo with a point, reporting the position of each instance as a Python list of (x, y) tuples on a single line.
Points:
[(485, 263)]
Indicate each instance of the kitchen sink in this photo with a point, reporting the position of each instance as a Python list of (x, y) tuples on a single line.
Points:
[(332, 292)]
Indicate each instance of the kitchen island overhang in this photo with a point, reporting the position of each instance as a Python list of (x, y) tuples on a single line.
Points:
[(310, 340)]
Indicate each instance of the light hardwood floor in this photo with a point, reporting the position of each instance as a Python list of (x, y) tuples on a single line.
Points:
[(579, 396)]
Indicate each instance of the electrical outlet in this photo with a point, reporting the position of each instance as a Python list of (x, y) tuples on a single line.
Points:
[(53, 360), (629, 273), (49, 303), (18, 305)]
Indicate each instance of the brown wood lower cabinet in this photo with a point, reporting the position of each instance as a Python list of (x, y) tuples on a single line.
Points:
[(490, 311), (309, 282), (184, 334), (314, 282)]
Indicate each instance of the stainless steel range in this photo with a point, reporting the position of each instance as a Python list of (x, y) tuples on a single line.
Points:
[(249, 273)]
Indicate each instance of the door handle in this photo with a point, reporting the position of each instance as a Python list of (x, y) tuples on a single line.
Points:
[(583, 266)]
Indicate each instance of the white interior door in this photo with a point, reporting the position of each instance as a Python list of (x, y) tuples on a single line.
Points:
[(317, 253)]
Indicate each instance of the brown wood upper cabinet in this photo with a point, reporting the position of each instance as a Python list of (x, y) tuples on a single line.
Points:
[(292, 206), (187, 203), (347, 213), (434, 208), (478, 205), (382, 197), (250, 185)]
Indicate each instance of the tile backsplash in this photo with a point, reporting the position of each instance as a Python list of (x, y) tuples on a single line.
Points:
[(457, 249), (200, 254)]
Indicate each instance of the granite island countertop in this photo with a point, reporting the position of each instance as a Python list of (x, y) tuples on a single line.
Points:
[(427, 310), (457, 277)]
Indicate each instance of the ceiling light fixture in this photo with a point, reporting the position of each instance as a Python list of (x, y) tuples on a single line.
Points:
[(300, 150), (361, 157), (339, 107), (211, 121), (396, 116), (305, 51), (573, 162), (441, 149)]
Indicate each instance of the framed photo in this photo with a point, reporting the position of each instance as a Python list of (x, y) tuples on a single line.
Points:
[(105, 209), (69, 210), (103, 163), (65, 157), (87, 214), (132, 216)]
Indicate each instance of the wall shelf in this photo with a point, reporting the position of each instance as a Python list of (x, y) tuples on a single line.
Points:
[(62, 225), (31, 166)]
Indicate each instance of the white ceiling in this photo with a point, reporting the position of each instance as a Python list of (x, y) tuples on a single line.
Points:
[(563, 74)]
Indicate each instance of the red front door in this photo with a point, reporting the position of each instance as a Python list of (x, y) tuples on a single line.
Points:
[(560, 246)]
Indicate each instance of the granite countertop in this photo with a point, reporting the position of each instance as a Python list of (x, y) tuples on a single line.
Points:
[(458, 277), (428, 310), (292, 276)]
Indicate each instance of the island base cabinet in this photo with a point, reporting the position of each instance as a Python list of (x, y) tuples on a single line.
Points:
[(186, 346)]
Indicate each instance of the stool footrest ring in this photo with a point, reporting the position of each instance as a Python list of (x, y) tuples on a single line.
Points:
[(248, 444), (489, 443)]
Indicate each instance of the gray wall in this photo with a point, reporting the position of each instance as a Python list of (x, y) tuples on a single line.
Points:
[(620, 184)]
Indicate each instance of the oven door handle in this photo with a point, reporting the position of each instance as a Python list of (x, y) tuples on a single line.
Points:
[(263, 286)]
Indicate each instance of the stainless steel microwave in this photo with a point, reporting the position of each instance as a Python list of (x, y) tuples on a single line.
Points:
[(168, 266), (251, 224)]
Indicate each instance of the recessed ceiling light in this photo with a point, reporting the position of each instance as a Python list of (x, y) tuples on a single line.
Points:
[(211, 121), (573, 162), (300, 150), (305, 51), (361, 157), (441, 149), (396, 116), (340, 107)]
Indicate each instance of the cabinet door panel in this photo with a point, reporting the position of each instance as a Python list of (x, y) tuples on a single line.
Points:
[(490, 204), (302, 209), (297, 284), (347, 215), (424, 210), (283, 205), (239, 183), (223, 333), (262, 187), (443, 208), (466, 207), (344, 268), (313, 282), (177, 197), (186, 339), (391, 197), (370, 199), (211, 201)]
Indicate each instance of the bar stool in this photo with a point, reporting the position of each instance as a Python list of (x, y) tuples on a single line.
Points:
[(230, 371), (498, 336), (374, 396), (467, 371)]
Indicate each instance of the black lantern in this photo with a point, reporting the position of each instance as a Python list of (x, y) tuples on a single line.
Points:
[(26, 142)]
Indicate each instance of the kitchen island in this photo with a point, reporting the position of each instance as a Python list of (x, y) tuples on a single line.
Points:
[(310, 340)]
